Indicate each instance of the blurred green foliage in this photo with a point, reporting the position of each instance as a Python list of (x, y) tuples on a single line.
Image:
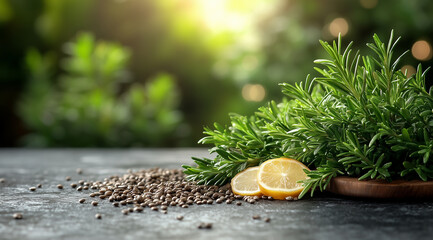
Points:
[(85, 105), (289, 34), (212, 48)]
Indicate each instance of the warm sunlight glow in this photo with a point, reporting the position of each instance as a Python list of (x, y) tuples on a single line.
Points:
[(409, 70), (253, 92), (219, 16), (422, 50), (337, 26)]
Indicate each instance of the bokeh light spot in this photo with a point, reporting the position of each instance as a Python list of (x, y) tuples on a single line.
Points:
[(422, 50), (369, 4), (409, 70), (337, 26), (253, 92)]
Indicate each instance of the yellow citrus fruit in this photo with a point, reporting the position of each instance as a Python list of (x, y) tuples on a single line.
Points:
[(245, 182), (279, 178)]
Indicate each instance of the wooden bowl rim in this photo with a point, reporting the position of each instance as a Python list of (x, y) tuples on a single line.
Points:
[(350, 186)]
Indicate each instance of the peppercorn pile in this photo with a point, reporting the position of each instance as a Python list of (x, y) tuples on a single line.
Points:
[(157, 189)]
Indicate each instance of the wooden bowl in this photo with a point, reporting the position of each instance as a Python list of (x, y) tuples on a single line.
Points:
[(381, 189)]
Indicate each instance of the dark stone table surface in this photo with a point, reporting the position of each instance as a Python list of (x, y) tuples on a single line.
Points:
[(51, 213)]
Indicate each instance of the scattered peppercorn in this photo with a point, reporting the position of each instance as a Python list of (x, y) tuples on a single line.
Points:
[(205, 226), (138, 209)]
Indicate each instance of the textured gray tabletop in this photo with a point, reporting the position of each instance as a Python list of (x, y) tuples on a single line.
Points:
[(51, 213)]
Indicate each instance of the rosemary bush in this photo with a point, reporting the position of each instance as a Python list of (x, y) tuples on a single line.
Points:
[(362, 118)]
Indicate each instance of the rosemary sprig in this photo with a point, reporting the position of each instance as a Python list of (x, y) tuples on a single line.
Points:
[(362, 118)]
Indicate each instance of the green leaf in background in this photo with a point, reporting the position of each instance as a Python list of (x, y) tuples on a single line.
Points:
[(92, 102)]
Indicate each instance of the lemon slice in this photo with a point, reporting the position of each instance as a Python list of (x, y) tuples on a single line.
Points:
[(278, 178), (245, 182)]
